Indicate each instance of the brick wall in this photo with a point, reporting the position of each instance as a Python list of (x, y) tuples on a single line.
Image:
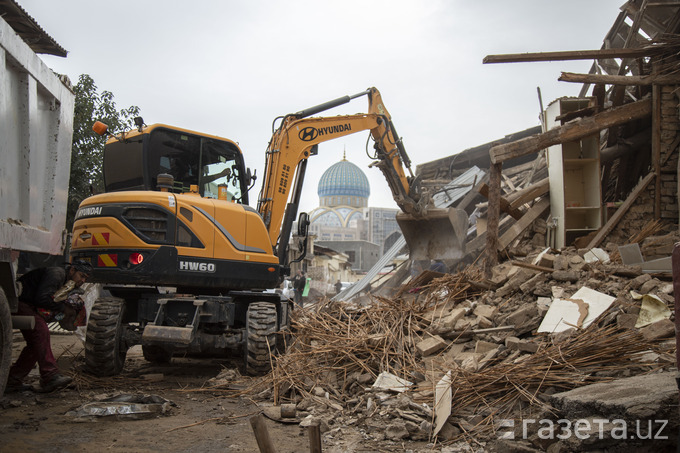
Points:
[(642, 210)]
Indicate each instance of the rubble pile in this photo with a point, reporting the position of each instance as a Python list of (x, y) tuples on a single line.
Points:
[(494, 344), (345, 346)]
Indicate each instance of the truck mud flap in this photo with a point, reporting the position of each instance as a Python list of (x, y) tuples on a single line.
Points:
[(440, 234)]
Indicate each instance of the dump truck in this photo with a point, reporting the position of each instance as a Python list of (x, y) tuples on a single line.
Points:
[(186, 262), (36, 107)]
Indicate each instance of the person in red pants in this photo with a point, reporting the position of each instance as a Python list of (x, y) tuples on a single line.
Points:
[(37, 299)]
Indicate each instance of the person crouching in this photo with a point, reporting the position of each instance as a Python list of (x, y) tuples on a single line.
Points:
[(44, 295)]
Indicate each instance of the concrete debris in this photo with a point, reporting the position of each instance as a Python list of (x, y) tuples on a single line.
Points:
[(652, 309), (388, 381), (448, 357), (442, 402), (579, 311)]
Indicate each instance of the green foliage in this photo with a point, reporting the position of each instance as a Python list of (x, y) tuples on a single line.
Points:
[(87, 152)]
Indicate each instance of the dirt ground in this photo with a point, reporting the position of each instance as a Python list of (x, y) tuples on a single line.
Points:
[(201, 421)]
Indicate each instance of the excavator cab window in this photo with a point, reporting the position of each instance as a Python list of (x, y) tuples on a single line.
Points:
[(197, 160), (177, 154), (124, 165), (219, 166)]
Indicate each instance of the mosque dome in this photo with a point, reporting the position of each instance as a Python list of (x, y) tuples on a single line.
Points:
[(344, 179)]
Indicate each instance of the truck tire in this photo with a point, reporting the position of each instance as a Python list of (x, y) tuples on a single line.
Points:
[(156, 354), (5, 340), (105, 349), (261, 331)]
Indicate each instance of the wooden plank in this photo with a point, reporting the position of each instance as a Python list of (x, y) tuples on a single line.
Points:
[(519, 227), (672, 79), (493, 214), (571, 131), (529, 193), (264, 441), (466, 333), (671, 150), (314, 431), (570, 55), (533, 267), (656, 147), (611, 223), (505, 205)]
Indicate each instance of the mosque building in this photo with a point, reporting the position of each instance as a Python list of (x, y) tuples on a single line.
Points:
[(345, 223)]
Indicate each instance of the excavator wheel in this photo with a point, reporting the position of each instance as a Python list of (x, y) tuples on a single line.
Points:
[(156, 354), (5, 340), (105, 349), (260, 341)]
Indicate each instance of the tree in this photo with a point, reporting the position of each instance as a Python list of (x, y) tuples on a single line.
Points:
[(87, 151)]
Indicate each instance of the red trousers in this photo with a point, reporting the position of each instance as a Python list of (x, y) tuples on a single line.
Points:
[(37, 350)]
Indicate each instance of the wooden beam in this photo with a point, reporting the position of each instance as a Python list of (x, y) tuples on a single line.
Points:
[(519, 227), (672, 79), (314, 431), (264, 441), (634, 143), (493, 214), (517, 199), (571, 131), (671, 150), (571, 55), (533, 267), (611, 223), (505, 205), (656, 147)]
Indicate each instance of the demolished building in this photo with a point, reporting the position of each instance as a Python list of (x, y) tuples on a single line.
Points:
[(546, 328)]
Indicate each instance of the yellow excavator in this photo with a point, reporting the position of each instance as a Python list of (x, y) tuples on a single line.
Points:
[(186, 262)]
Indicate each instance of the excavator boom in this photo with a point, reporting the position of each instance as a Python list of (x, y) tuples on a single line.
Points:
[(430, 232)]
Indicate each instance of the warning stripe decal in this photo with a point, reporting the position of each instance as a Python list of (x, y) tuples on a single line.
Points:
[(100, 239), (107, 260)]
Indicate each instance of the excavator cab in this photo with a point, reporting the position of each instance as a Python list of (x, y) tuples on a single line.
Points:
[(133, 161)]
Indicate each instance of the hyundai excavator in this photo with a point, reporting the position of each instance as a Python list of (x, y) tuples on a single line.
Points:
[(186, 263)]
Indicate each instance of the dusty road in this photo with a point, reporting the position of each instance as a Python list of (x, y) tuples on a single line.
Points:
[(201, 421)]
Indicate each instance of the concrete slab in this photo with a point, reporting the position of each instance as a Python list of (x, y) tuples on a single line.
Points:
[(638, 397)]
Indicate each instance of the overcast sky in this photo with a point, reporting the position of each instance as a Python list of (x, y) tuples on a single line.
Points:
[(229, 67)]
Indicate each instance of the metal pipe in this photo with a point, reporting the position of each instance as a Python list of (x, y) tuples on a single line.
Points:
[(23, 322)]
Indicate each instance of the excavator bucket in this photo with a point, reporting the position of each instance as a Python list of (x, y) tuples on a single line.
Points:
[(441, 234)]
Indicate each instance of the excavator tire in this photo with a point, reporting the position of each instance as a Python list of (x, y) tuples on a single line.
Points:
[(105, 349), (156, 354), (260, 337), (5, 340)]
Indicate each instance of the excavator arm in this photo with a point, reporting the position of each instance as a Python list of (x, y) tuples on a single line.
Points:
[(297, 138)]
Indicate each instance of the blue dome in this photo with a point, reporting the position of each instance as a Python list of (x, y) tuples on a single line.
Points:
[(344, 179)]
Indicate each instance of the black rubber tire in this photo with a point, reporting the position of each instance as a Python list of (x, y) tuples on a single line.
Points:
[(5, 341), (105, 349), (261, 328), (156, 354)]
